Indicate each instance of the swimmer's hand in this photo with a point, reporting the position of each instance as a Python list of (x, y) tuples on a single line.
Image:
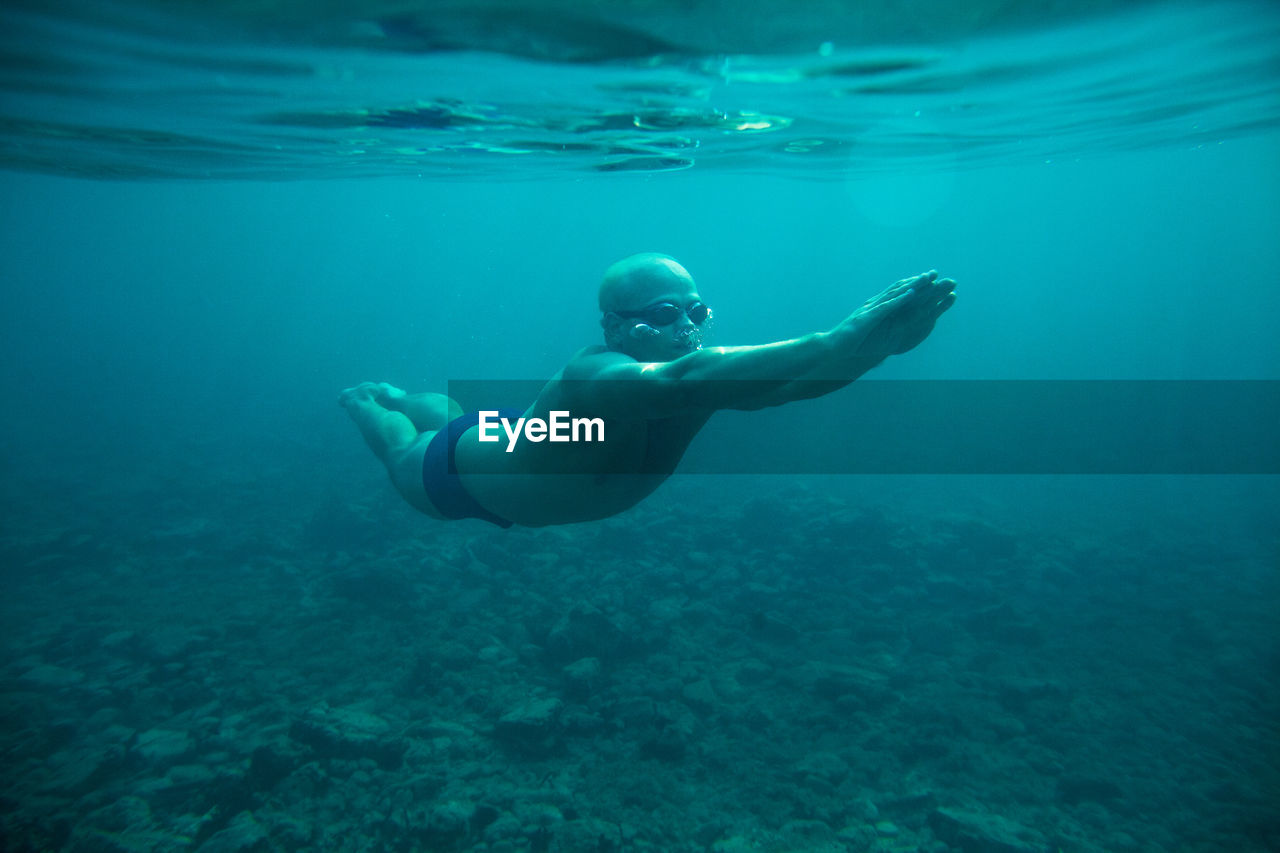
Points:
[(895, 320)]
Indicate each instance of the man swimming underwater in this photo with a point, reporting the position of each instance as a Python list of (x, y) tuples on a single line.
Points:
[(654, 385)]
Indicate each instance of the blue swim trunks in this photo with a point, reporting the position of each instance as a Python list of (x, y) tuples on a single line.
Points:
[(440, 475)]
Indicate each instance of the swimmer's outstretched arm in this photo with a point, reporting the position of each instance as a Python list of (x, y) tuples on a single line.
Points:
[(901, 331), (752, 377)]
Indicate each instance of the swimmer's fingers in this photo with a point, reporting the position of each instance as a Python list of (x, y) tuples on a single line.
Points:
[(935, 298), (943, 304), (855, 328), (941, 297), (889, 304), (933, 288), (917, 284), (868, 319)]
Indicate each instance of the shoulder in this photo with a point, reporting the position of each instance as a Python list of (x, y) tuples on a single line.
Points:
[(591, 362)]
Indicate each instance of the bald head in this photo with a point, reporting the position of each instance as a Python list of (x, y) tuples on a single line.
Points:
[(634, 282)]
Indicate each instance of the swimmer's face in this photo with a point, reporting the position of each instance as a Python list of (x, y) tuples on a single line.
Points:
[(661, 318)]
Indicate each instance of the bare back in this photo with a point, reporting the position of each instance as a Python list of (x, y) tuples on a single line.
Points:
[(540, 483)]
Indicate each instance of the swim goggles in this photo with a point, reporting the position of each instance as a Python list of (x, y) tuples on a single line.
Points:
[(666, 313)]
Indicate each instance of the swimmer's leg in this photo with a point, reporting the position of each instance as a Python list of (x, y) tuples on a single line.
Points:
[(398, 427), (429, 412), (388, 433)]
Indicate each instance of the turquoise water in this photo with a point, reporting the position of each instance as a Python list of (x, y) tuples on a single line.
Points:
[(223, 630), (284, 92)]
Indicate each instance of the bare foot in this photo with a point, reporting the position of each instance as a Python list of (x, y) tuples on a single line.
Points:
[(361, 393), (385, 395), (388, 395)]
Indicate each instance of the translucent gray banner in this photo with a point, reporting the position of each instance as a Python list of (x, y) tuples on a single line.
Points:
[(967, 427)]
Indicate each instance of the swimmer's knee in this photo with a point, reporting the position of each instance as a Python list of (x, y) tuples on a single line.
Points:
[(405, 466)]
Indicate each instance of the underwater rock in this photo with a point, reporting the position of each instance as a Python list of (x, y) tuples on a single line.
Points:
[(183, 779), (162, 744), (665, 610), (447, 824), (672, 726), (506, 827), (243, 833), (983, 540), (763, 516), (376, 586), (852, 686), (865, 809), (909, 810), (586, 632), (770, 628), (700, 694), (1088, 789), (48, 675), (106, 830), (267, 766), (578, 721), (170, 644), (983, 833), (289, 831), (825, 766), (581, 677), (857, 838), (665, 745), (482, 815), (631, 712), (810, 835), (128, 811), (1004, 624), (588, 835), (1016, 693), (752, 672), (77, 772), (349, 734), (539, 819), (532, 726)]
